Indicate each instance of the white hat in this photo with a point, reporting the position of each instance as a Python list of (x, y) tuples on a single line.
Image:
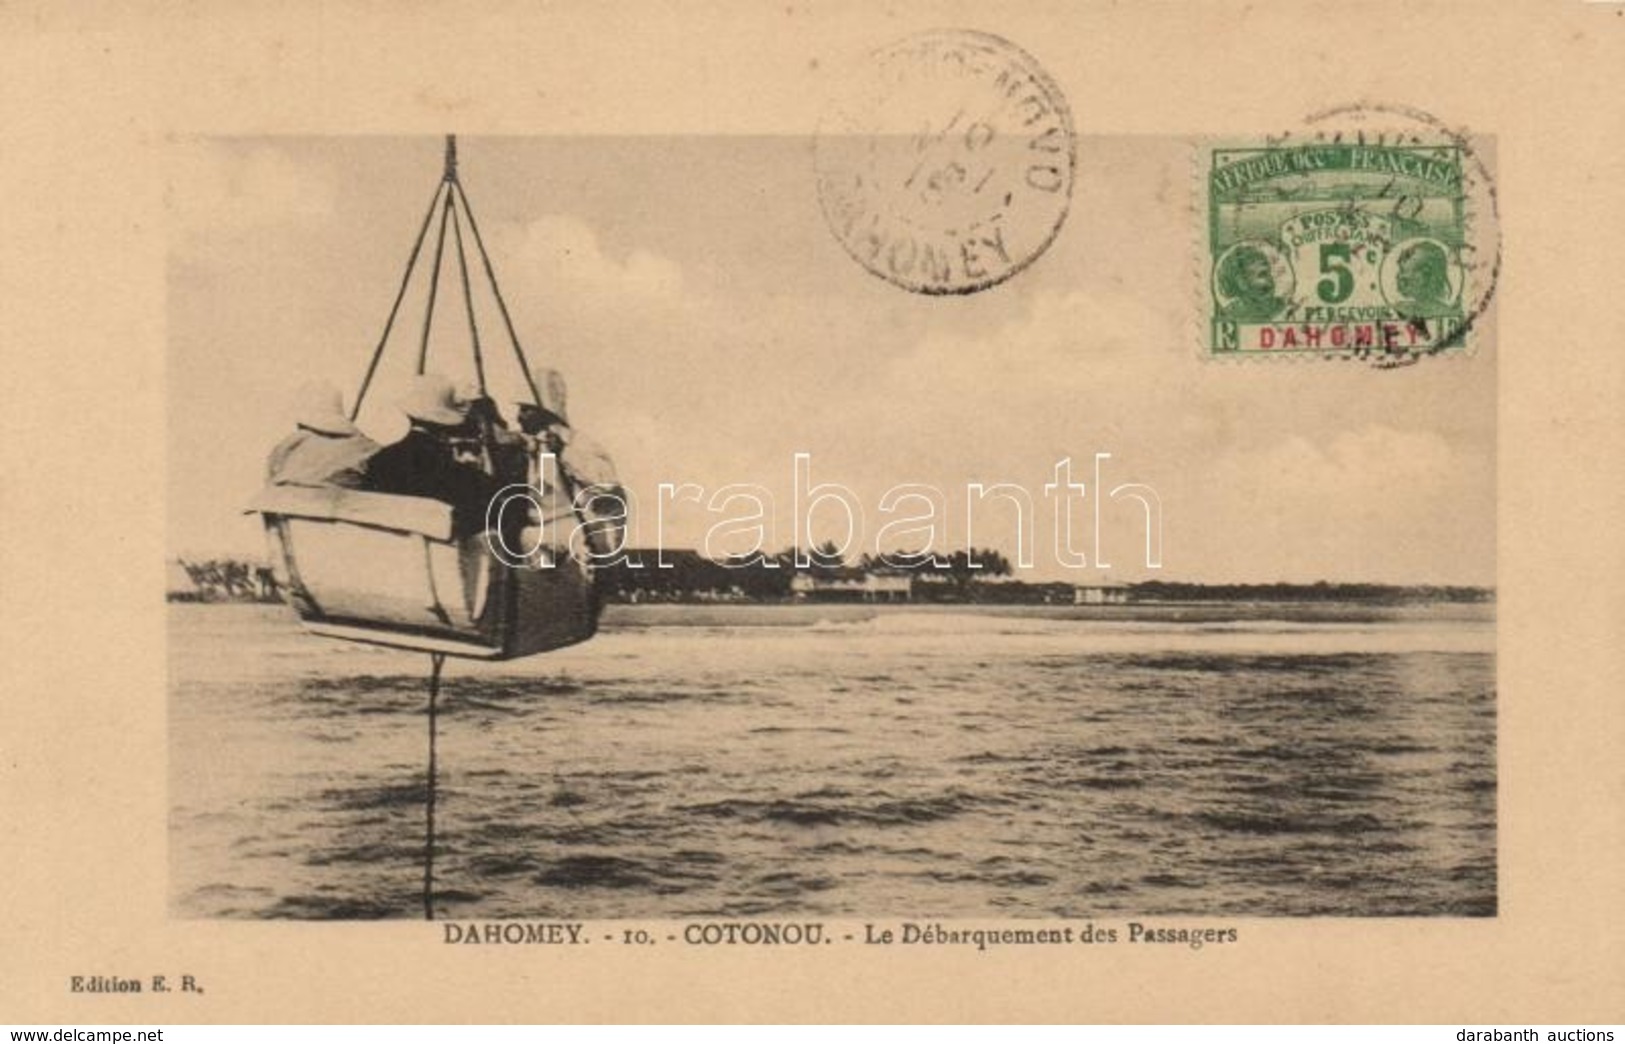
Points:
[(468, 391), (433, 400), (318, 406), (550, 386)]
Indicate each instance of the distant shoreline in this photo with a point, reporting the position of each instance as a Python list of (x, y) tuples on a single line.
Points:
[(1486, 598), (701, 582), (623, 616)]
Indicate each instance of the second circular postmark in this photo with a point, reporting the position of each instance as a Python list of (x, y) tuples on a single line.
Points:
[(945, 165)]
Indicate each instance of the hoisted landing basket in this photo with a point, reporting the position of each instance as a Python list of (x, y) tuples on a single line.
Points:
[(386, 569)]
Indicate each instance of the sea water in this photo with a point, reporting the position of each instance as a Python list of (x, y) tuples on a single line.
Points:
[(846, 761)]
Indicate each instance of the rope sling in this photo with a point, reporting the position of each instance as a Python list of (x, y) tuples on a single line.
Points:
[(451, 201)]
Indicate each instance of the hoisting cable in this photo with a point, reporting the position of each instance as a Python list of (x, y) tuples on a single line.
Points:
[(434, 285), (436, 661), (468, 299), (502, 305), (400, 295)]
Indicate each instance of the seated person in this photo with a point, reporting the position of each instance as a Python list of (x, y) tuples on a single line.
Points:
[(588, 473), (326, 449), (548, 519), (425, 462), (601, 498), (506, 449)]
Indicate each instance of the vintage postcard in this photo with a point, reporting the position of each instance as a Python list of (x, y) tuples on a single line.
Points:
[(1017, 513)]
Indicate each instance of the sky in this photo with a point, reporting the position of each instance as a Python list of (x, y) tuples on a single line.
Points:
[(711, 327)]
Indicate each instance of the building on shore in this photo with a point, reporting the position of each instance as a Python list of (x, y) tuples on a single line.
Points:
[(851, 585), (1106, 592)]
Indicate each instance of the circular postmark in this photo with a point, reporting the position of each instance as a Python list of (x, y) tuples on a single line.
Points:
[(945, 166), (1424, 275)]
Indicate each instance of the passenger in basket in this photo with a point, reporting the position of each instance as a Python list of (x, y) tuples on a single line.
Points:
[(545, 420), (494, 441), (326, 449), (424, 463), (544, 527), (588, 473)]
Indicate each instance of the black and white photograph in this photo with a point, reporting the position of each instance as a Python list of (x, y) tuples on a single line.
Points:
[(810, 594)]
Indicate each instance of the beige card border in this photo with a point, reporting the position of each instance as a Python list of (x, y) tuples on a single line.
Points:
[(95, 90)]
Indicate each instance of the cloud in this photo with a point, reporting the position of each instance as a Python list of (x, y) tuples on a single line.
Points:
[(1377, 502), (644, 348), (567, 252), (1077, 341), (1376, 474), (937, 401), (1062, 375), (222, 191)]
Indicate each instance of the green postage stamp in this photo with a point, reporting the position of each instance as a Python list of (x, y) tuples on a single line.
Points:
[(1337, 249)]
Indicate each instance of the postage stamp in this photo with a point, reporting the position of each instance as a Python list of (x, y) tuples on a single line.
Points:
[(1338, 248), (945, 165)]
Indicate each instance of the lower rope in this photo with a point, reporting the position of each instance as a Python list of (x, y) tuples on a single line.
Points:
[(436, 661)]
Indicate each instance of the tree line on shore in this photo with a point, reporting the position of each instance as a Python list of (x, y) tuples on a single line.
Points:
[(681, 576), (1320, 591), (221, 580)]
